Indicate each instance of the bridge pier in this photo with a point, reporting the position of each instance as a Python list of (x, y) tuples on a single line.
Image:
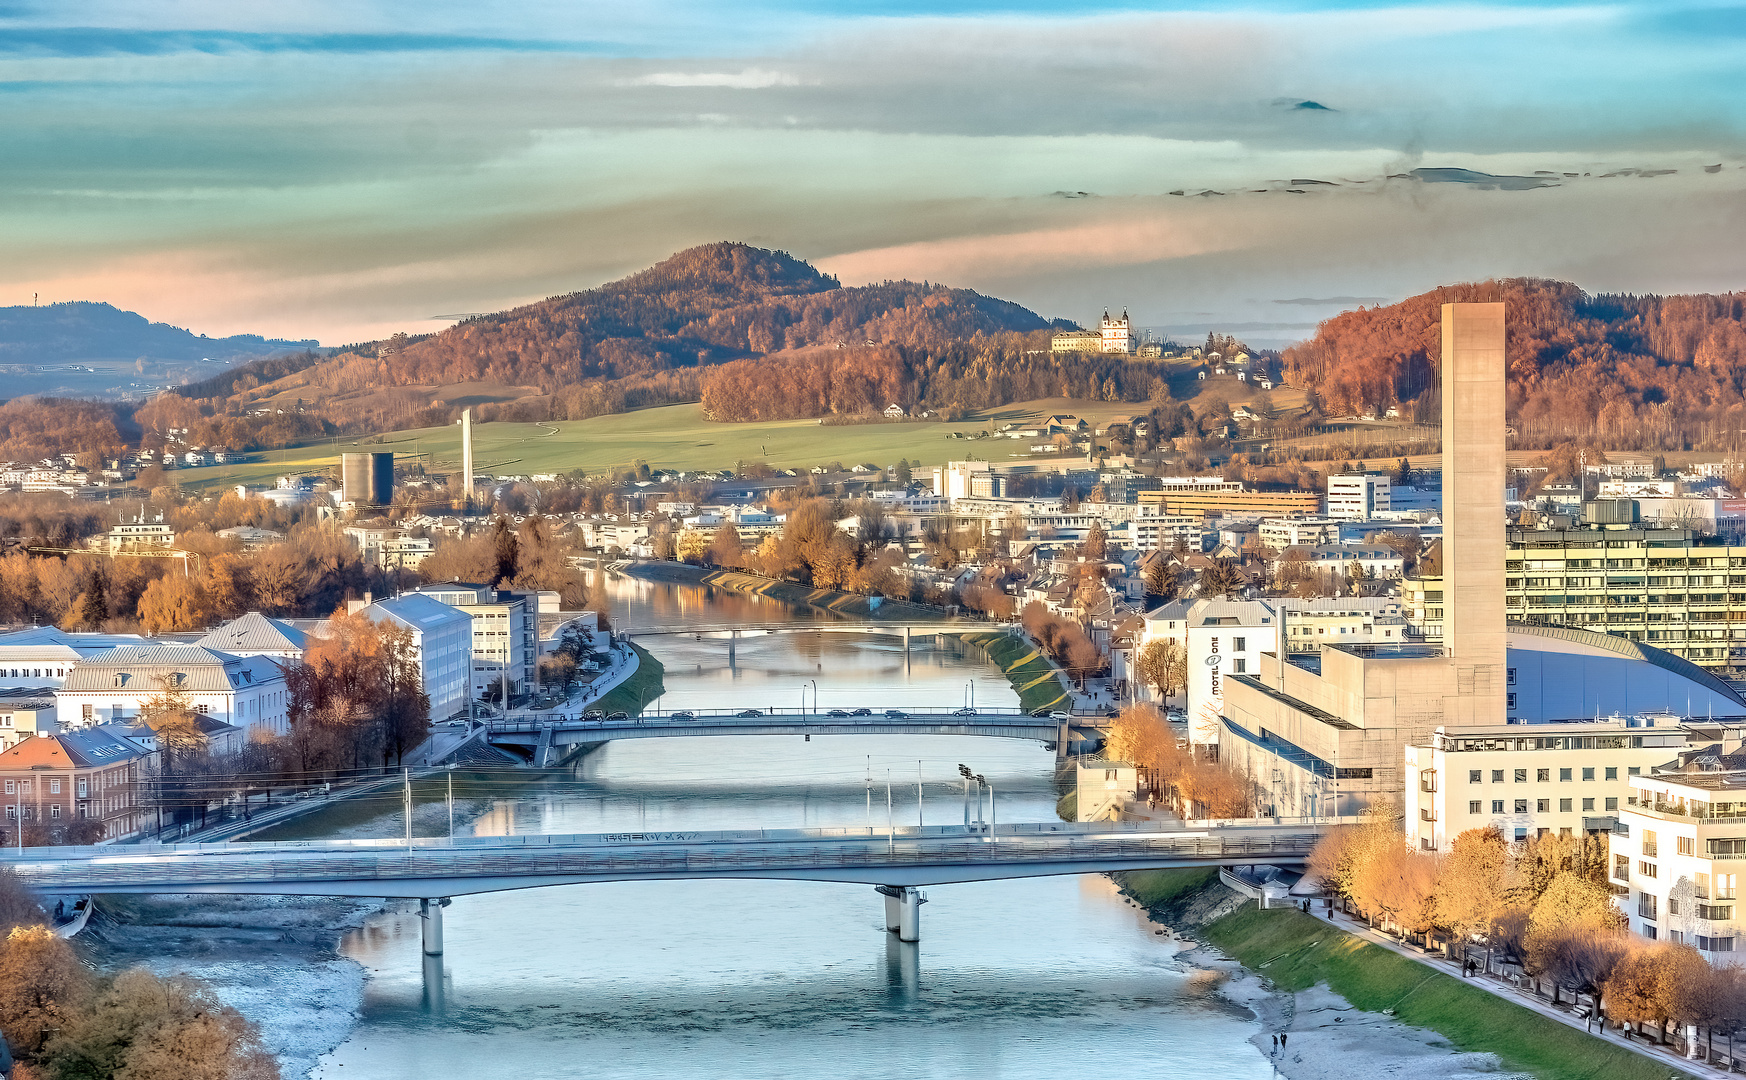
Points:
[(431, 912), (733, 638), (903, 910)]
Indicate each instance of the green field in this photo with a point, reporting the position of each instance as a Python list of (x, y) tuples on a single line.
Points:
[(673, 436)]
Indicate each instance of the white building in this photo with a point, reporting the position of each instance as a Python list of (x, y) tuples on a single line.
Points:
[(1530, 779), (1116, 335), (505, 624), (1282, 532), (24, 714), (443, 638), (1222, 638), (1350, 620), (1357, 496), (43, 655), (114, 687), (1680, 850), (952, 480)]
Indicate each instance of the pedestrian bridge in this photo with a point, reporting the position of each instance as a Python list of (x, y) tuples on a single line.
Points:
[(545, 741), (896, 860)]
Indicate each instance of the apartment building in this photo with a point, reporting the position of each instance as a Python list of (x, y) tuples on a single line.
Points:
[(505, 653), (442, 641), (1664, 587), (25, 713), (59, 780), (1530, 779), (1352, 620), (1357, 496), (1681, 848)]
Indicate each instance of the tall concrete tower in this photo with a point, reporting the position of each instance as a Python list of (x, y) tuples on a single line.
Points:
[(1473, 512), (467, 458)]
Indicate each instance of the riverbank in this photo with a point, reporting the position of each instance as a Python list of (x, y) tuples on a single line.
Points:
[(644, 685), (1352, 1008), (1034, 677), (829, 601)]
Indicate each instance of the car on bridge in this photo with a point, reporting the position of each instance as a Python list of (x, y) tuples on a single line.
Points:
[(749, 713), (594, 714), (683, 714), (838, 712), (966, 711), (860, 712), (617, 717), (896, 714)]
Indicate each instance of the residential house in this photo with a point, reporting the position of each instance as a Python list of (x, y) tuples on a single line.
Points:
[(63, 779)]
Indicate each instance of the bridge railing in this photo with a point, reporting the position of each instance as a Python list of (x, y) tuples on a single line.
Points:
[(803, 716)]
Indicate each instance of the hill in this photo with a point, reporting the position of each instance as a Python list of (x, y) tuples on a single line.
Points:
[(636, 342), (81, 330), (1624, 372)]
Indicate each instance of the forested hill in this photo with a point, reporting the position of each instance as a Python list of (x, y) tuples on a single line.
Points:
[(81, 330), (642, 340), (1642, 372)]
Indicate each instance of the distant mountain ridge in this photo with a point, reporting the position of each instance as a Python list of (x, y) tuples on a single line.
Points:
[(89, 330)]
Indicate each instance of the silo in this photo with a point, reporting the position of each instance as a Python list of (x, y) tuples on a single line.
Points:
[(367, 479)]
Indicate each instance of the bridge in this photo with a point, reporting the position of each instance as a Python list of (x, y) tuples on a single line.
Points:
[(547, 741), (733, 633), (895, 860)]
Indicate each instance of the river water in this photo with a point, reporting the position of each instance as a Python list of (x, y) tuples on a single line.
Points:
[(764, 979)]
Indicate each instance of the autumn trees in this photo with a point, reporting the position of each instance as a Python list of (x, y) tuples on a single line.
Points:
[(1140, 735), (1163, 665), (356, 700)]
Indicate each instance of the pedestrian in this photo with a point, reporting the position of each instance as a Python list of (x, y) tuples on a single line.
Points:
[(1276, 1044), (1282, 1036)]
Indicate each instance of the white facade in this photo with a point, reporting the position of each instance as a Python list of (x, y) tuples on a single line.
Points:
[(1357, 496), (952, 480), (1117, 335), (1529, 779), (1222, 638), (443, 637), (43, 656), (1680, 852), (504, 629), (248, 692)]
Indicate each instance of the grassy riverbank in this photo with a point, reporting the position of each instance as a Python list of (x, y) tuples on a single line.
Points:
[(645, 685), (1297, 951), (1034, 678)]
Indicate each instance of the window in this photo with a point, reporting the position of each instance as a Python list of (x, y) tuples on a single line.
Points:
[(1475, 807), (1587, 805), (1715, 944), (1564, 806), (1239, 666), (1634, 770), (11, 787), (1510, 700), (1613, 803), (1725, 886), (1521, 834), (1647, 869), (1612, 772), (1497, 776), (1521, 776), (1646, 904), (1715, 912), (55, 811), (1649, 845), (85, 712), (1543, 775), (1473, 776), (1239, 644), (1649, 931), (1497, 806), (1684, 845), (1521, 806), (1673, 905), (1588, 773), (1543, 806), (1621, 867), (84, 790), (1564, 775), (54, 787)]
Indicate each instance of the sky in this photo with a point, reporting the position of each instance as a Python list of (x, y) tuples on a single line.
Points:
[(347, 169)]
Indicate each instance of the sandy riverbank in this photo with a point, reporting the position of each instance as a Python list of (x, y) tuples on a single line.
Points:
[(1326, 1037)]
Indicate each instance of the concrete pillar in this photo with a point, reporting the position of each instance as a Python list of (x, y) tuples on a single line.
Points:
[(733, 638), (1065, 729), (435, 999), (909, 921), (893, 907), (431, 911)]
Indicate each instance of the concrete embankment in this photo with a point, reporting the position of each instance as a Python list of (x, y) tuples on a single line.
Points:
[(1352, 1009)]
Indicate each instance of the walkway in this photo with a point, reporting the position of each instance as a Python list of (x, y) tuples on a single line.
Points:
[(1518, 995)]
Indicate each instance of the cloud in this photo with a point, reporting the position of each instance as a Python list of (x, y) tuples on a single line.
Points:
[(749, 79)]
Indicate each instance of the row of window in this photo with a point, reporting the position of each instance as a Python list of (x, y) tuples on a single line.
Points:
[(1541, 806), (22, 787), (1544, 776), (54, 812)]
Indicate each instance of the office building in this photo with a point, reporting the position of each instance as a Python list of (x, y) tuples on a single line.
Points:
[(1357, 496)]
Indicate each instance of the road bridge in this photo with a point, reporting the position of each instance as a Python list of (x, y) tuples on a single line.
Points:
[(733, 634), (896, 860), (549, 740)]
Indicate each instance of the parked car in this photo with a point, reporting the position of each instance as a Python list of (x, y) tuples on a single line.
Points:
[(860, 712), (964, 712), (684, 714), (749, 713), (838, 712)]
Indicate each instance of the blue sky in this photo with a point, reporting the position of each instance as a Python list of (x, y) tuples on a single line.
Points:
[(345, 170)]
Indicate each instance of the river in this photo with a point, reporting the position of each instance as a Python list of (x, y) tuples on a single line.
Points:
[(1041, 978)]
